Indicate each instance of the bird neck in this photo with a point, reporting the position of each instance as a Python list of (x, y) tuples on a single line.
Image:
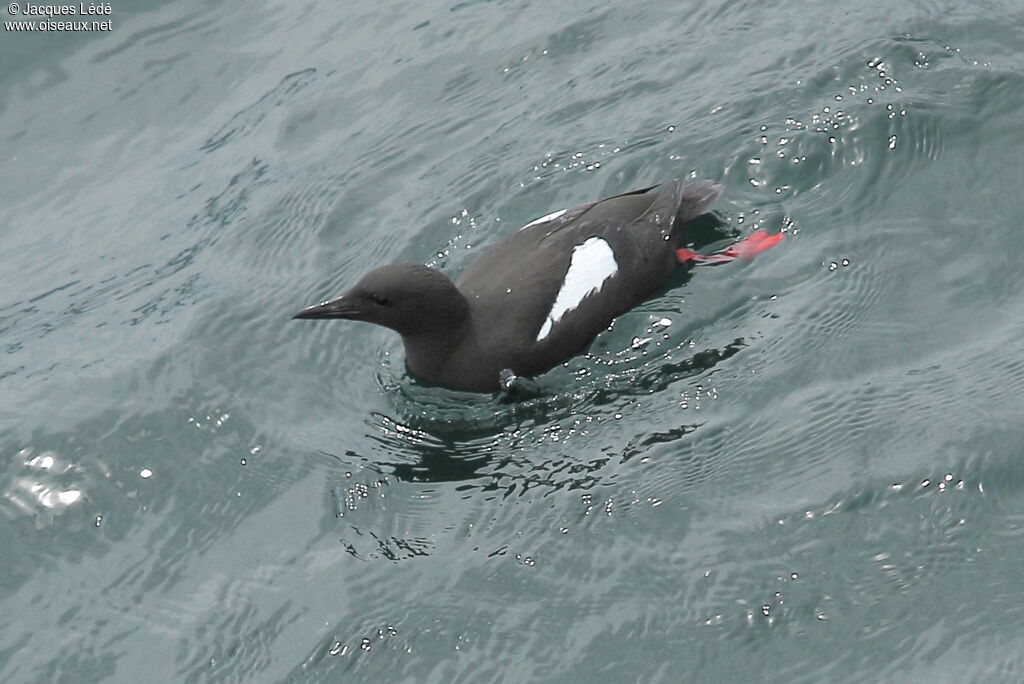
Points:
[(428, 349)]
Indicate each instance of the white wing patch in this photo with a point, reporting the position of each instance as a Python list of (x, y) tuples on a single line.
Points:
[(549, 217), (591, 264)]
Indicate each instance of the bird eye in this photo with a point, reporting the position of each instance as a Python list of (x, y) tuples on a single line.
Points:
[(380, 299)]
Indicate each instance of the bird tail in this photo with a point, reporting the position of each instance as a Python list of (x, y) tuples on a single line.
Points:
[(679, 202), (696, 198)]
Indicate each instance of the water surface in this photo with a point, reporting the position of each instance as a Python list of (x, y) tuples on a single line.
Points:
[(807, 468)]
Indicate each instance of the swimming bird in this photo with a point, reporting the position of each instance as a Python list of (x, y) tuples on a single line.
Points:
[(539, 297)]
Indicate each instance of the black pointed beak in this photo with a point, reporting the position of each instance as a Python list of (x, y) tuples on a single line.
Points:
[(342, 307)]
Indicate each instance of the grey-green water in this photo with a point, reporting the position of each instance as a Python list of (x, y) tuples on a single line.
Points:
[(814, 473)]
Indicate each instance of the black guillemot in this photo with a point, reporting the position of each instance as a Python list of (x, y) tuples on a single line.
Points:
[(540, 296)]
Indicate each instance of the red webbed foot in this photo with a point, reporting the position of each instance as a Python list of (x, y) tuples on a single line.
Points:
[(745, 249)]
